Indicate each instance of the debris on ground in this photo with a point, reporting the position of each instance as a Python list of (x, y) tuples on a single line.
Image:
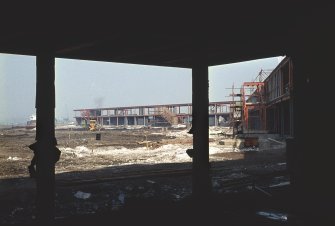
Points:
[(93, 164), (273, 215), (82, 195)]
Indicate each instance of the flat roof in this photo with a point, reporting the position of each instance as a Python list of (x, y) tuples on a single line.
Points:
[(153, 106)]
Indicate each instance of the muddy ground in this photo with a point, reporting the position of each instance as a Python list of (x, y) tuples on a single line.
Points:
[(101, 175)]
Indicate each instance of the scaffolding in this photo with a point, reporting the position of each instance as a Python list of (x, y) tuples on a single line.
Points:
[(235, 115), (247, 108)]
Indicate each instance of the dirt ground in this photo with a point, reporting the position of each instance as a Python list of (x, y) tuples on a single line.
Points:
[(99, 175)]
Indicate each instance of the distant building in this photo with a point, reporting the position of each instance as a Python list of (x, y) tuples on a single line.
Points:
[(151, 115)]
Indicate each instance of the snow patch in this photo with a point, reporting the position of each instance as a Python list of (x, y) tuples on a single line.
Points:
[(163, 154), (70, 126), (13, 158), (285, 183), (178, 126), (183, 133)]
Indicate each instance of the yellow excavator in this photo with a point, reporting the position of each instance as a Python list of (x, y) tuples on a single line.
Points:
[(93, 125)]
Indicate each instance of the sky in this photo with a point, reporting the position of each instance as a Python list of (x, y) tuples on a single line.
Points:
[(91, 84)]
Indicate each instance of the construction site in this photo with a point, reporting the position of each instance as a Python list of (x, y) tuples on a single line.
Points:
[(146, 149), (260, 106), (258, 157)]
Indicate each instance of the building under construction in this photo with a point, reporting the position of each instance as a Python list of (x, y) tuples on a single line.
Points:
[(278, 89), (151, 115), (265, 104), (262, 106)]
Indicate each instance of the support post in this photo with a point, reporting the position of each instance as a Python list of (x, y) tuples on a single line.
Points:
[(312, 156), (45, 137), (201, 184)]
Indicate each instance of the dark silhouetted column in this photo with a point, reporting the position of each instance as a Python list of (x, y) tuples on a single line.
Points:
[(45, 136), (201, 181)]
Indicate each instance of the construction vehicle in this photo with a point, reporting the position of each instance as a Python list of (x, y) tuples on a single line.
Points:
[(88, 123), (93, 125)]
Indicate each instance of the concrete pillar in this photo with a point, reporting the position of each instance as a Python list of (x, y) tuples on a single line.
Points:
[(201, 183), (313, 116), (312, 162), (117, 121), (45, 135)]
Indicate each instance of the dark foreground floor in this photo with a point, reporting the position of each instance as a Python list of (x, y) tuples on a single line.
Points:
[(247, 208)]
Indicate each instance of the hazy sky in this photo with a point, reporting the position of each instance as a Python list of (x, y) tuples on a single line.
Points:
[(90, 84)]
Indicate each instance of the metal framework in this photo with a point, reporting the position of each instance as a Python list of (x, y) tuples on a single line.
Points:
[(265, 104), (254, 111)]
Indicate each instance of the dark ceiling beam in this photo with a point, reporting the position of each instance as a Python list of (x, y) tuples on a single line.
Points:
[(231, 35)]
